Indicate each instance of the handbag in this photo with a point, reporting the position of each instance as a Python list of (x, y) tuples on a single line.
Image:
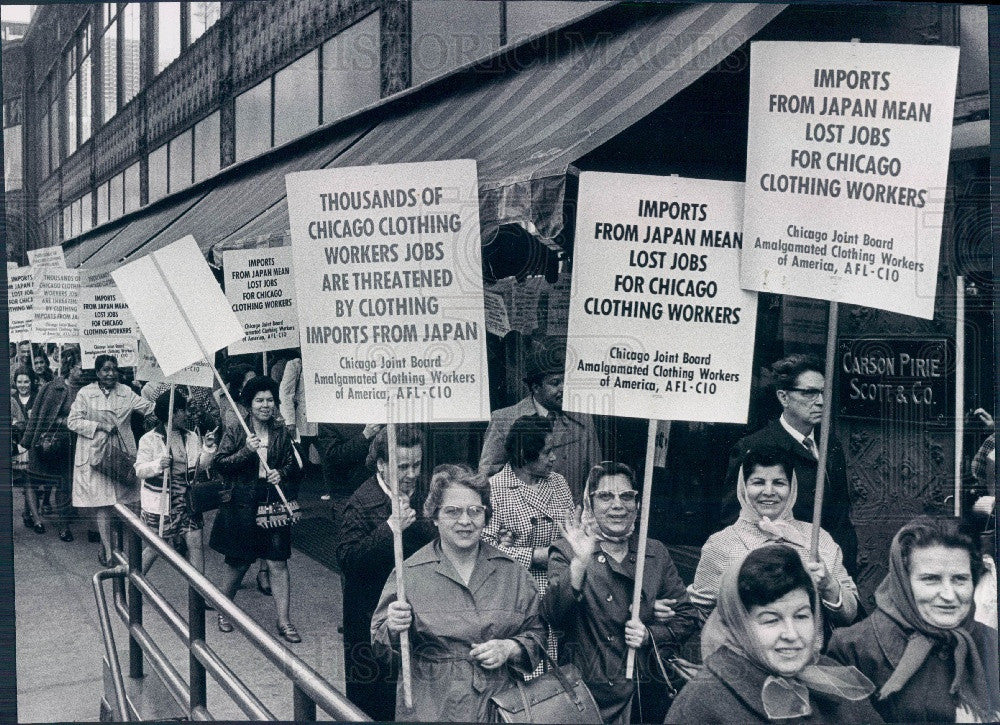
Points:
[(206, 492), (274, 515), (114, 460), (558, 696)]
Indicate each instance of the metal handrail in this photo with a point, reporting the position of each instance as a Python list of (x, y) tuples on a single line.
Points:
[(109, 638), (309, 688)]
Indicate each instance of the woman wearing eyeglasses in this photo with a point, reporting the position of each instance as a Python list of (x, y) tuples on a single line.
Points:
[(766, 489), (472, 612), (588, 600)]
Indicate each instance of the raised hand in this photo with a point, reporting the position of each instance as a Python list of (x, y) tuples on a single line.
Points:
[(580, 540)]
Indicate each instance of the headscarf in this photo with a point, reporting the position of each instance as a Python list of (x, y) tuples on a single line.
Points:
[(894, 597), (590, 524), (779, 526), (783, 697)]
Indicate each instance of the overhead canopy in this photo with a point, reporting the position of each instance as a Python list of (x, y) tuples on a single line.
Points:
[(524, 115)]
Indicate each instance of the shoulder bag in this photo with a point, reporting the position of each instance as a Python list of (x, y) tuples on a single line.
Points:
[(206, 492), (113, 459), (274, 515), (558, 696)]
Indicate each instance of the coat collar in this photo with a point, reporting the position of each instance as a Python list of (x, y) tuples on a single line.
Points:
[(741, 676), (790, 444), (431, 555), (890, 637)]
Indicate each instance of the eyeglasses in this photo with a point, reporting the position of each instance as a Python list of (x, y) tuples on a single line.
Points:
[(627, 498), (808, 393), (454, 513)]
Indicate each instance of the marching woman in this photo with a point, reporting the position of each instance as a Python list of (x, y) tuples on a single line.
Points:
[(101, 417), (235, 533), (49, 441), (187, 456), (922, 646), (766, 490), (589, 597), (472, 612), (761, 649), (22, 400)]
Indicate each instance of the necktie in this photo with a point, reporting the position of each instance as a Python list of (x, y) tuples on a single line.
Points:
[(810, 446)]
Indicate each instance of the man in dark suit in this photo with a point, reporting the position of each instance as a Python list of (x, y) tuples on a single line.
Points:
[(799, 386), (365, 556), (343, 449)]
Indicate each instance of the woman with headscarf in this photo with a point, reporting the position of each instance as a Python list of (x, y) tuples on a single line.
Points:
[(766, 490), (922, 647), (472, 612), (760, 649), (588, 600), (22, 399), (100, 410), (49, 441)]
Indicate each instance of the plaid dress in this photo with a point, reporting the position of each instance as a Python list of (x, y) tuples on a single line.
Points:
[(531, 515)]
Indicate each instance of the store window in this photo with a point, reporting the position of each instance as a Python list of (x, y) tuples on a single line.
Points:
[(13, 157), (206, 147), (109, 61), (69, 92), (449, 33), (129, 56), (168, 33), (132, 197), (67, 221), (296, 98), (203, 17), (86, 213), (181, 166), (55, 157), (158, 171), (102, 204), (527, 19), (77, 63), (973, 63), (116, 196), (253, 121), (351, 69)]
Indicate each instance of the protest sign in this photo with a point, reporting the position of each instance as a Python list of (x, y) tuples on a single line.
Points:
[(198, 373), (388, 280), (20, 307), (56, 317), (658, 325), (11, 265), (47, 257), (847, 161), (106, 326), (178, 305), (260, 289), (97, 276)]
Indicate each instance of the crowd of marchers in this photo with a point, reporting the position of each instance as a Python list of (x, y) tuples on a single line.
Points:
[(528, 564)]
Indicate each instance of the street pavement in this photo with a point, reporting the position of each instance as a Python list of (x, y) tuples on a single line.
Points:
[(60, 650)]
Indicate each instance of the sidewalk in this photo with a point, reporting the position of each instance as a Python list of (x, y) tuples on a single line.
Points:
[(59, 646)]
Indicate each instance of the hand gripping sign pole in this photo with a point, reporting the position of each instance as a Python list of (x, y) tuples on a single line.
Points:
[(647, 502), (165, 495), (397, 551)]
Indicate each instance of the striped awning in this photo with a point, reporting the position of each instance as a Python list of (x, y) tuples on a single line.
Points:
[(524, 115)]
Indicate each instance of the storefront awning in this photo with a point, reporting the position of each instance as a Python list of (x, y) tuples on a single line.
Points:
[(524, 114)]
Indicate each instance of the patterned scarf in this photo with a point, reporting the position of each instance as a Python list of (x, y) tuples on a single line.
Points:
[(894, 597), (591, 526), (783, 697)]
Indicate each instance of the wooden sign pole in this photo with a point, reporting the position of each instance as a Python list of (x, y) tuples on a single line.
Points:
[(647, 501), (397, 552), (165, 495), (824, 432), (959, 388)]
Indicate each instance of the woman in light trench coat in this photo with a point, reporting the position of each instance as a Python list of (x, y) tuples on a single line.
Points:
[(98, 410)]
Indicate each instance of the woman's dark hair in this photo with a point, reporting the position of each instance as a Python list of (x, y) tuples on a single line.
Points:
[(407, 436), (236, 373), (771, 572), (526, 439), (765, 457), (102, 359), (161, 409), (925, 531), (38, 353), (258, 384), (24, 370), (608, 468), (70, 358), (787, 370), (455, 474)]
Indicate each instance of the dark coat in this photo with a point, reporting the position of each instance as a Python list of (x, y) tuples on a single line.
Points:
[(836, 518), (364, 553), (728, 690), (235, 526), (591, 625), (875, 645), (343, 449)]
